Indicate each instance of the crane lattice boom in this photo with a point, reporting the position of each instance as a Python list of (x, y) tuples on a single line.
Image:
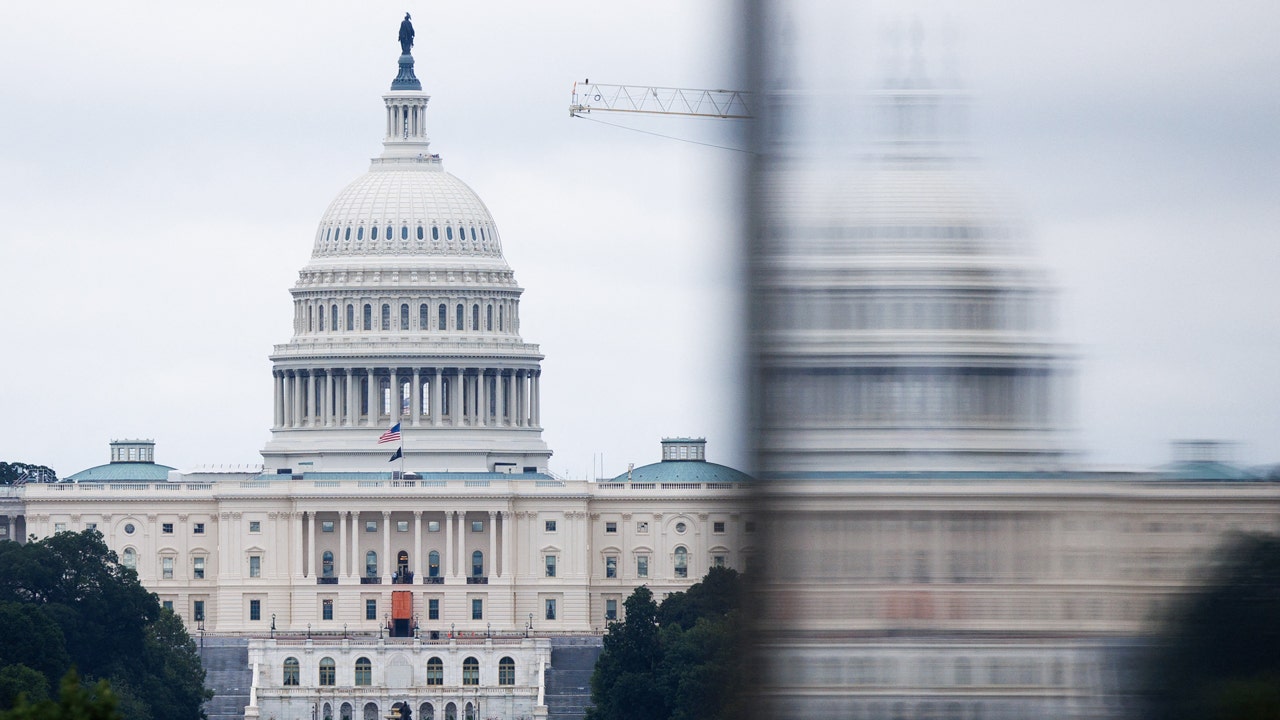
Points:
[(589, 97)]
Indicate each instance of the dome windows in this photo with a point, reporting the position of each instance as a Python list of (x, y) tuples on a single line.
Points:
[(390, 232), (404, 316), (448, 232), (386, 316), (423, 316), (351, 317), (459, 325), (333, 318), (347, 237), (368, 316), (404, 232), (435, 233), (360, 233), (475, 317), (419, 232), (473, 234), (373, 233), (444, 314)]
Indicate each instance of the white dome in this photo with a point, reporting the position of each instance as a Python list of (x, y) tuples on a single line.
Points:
[(426, 210)]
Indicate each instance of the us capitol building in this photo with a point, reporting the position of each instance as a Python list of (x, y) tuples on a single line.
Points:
[(439, 577), (929, 548)]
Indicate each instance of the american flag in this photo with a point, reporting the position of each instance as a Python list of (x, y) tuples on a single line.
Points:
[(391, 435)]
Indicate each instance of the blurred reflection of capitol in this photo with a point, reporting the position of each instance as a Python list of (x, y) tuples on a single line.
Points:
[(934, 549)]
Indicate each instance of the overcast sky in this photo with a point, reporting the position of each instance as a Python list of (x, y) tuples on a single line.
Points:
[(163, 168)]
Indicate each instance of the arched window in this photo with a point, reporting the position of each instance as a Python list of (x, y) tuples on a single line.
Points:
[(390, 232), (448, 233), (326, 564), (368, 316), (475, 317), (371, 711), (310, 322), (477, 564), (374, 233), (484, 235), (469, 712), (422, 317), (419, 232), (386, 316), (426, 711), (470, 671), (500, 313), (402, 563), (682, 562), (404, 316), (506, 671), (473, 233), (435, 671), (371, 564), (459, 325), (333, 318), (129, 558), (364, 671), (360, 233), (404, 232), (462, 233), (435, 233), (327, 234), (321, 318), (488, 318), (450, 712), (347, 235), (328, 671), (351, 317), (433, 563), (444, 314), (291, 671)]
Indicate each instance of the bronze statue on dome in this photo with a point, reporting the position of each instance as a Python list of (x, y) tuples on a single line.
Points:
[(406, 35)]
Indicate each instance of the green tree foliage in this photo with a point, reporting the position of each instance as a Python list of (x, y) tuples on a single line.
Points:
[(1219, 657), (76, 702), (78, 606), (682, 660), (10, 473)]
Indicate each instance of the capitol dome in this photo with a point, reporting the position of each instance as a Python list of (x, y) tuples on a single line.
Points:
[(407, 208)]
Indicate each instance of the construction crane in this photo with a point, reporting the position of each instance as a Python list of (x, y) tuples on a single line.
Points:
[(589, 97)]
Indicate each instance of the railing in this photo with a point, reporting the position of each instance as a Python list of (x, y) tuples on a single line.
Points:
[(477, 580), (475, 483), (370, 581), (433, 580), (326, 581), (404, 578)]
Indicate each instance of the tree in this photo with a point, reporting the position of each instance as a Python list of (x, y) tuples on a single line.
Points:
[(71, 602), (75, 703), (1219, 656), (682, 660)]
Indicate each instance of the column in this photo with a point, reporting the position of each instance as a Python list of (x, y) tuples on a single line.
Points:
[(355, 544), (300, 564), (448, 542), (417, 545), (309, 561), (518, 420), (415, 403), (387, 563), (328, 398), (286, 400), (483, 380), (462, 542), (342, 544), (279, 399), (499, 386), (353, 416), (537, 398), (311, 398), (435, 399), (459, 400), (492, 568), (505, 569), (372, 420), (397, 396)]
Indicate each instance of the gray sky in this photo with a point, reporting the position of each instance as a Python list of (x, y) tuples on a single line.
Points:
[(163, 168)]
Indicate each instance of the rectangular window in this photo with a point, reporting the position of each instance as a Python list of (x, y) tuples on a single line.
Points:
[(611, 527), (433, 526), (197, 570), (167, 605), (255, 526), (59, 527), (166, 528), (551, 565), (166, 568), (255, 566), (326, 609), (610, 609), (550, 525), (370, 526), (91, 526), (477, 609), (402, 526), (198, 529), (642, 566), (611, 566), (477, 526), (197, 610), (718, 561), (551, 609), (642, 527), (370, 609), (717, 526), (326, 526), (255, 609), (433, 609)]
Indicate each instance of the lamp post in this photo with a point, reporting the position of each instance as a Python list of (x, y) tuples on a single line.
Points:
[(383, 625), (273, 626), (308, 631), (200, 624)]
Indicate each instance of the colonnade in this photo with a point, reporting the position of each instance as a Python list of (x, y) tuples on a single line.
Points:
[(430, 397), (348, 559)]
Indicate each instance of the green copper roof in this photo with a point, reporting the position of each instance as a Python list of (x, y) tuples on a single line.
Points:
[(684, 471), (123, 472)]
